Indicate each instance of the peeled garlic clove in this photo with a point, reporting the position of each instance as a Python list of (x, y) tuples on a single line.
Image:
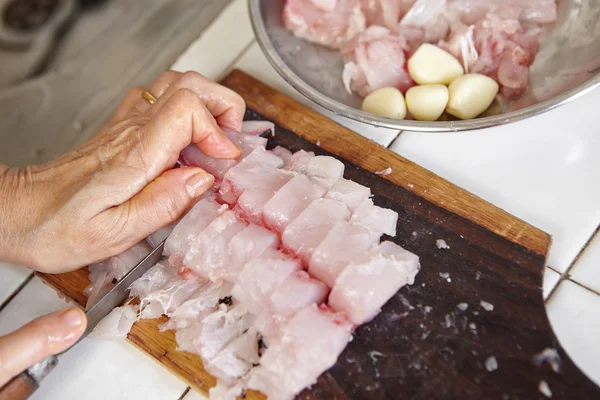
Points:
[(427, 102), (385, 102), (430, 65), (470, 95)]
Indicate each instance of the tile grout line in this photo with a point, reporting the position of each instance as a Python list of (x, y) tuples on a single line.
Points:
[(185, 392), (584, 247), (553, 269), (16, 292), (389, 146), (566, 275), (560, 280), (583, 286), (236, 59)]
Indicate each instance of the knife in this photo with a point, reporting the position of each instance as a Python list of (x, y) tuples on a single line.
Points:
[(25, 384)]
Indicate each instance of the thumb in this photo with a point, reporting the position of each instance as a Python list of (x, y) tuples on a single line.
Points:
[(163, 201), (42, 337)]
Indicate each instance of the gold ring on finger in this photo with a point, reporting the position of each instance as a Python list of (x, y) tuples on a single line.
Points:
[(149, 97)]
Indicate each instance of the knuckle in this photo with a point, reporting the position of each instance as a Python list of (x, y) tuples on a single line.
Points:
[(191, 79), (170, 75), (186, 97), (239, 100)]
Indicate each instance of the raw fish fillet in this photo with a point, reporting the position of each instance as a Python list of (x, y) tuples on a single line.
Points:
[(426, 21), (191, 225), (350, 193), (233, 289), (499, 39), (208, 337), (299, 161), (530, 11), (208, 253), (304, 234), (202, 302), (119, 265), (258, 127), (311, 343), (261, 276), (328, 28), (252, 201), (257, 171), (343, 244), (169, 297), (236, 359), (248, 244), (375, 218), (116, 325), (376, 59), (226, 391), (104, 272), (325, 171), (290, 201), (367, 284), (385, 12), (325, 5), (154, 279), (284, 154), (157, 237), (296, 293), (192, 155)]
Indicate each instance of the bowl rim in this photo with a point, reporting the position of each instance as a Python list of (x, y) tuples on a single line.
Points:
[(265, 43)]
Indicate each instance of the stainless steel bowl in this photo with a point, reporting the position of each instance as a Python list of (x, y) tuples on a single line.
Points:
[(566, 67)]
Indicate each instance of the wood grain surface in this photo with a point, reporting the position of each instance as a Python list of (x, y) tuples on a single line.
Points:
[(422, 345)]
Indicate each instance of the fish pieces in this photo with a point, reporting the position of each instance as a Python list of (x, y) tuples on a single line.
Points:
[(261, 277), (325, 171), (343, 244), (350, 193), (208, 253), (375, 218), (308, 230), (191, 225), (247, 245), (332, 26), (313, 340), (367, 284), (259, 171), (289, 201)]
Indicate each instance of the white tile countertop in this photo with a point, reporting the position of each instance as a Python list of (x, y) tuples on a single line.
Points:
[(543, 170)]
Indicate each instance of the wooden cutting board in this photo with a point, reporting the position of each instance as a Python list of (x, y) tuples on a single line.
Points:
[(421, 346)]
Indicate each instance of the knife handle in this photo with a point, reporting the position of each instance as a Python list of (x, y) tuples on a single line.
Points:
[(21, 387)]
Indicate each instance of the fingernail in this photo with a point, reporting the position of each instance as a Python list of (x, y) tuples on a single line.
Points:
[(71, 318), (199, 183)]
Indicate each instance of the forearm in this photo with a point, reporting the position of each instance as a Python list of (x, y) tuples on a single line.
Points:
[(13, 214)]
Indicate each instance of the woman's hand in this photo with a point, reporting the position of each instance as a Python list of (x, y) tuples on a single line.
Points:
[(119, 187), (42, 337)]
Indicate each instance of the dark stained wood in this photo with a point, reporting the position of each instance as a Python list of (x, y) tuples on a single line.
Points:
[(421, 346), (21, 387)]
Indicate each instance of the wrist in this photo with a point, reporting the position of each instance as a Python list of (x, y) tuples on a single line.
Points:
[(14, 217)]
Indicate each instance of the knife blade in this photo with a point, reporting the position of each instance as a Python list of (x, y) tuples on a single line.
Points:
[(120, 292), (25, 384)]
